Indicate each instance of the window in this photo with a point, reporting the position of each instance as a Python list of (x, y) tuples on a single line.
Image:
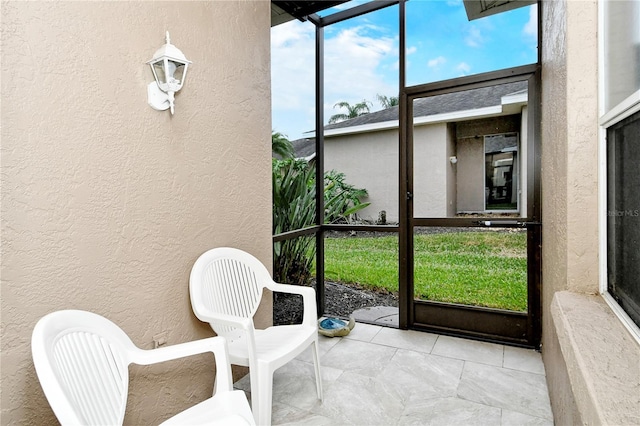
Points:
[(501, 172), (620, 121), (623, 215)]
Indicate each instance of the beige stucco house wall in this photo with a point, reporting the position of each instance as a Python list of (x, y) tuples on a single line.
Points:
[(592, 362), (106, 203), (451, 171), (471, 157), (430, 169), (369, 160)]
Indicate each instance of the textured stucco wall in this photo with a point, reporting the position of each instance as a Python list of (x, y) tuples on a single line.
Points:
[(430, 169), (524, 161), (370, 161), (582, 148), (599, 362), (471, 181), (569, 178), (569, 148), (107, 203), (554, 149), (451, 170)]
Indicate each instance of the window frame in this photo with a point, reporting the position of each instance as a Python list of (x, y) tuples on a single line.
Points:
[(515, 166), (608, 118)]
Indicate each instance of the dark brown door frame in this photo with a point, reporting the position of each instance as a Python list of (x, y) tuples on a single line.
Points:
[(445, 318)]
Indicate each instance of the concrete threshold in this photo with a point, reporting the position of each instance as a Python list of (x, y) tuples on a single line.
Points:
[(387, 316)]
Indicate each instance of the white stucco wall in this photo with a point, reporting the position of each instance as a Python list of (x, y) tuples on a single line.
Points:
[(441, 189), (431, 166), (370, 161), (524, 160), (471, 174), (106, 203), (451, 171)]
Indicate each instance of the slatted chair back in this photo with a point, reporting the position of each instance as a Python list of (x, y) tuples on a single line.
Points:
[(227, 281), (82, 362)]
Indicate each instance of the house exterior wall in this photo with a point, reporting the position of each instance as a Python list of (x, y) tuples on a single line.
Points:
[(524, 161), (370, 161), (441, 189), (451, 170), (591, 360), (471, 173), (106, 203), (471, 180), (430, 170)]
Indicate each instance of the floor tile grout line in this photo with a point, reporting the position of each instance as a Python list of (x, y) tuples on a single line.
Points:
[(525, 371), (464, 364), (500, 408), (434, 344)]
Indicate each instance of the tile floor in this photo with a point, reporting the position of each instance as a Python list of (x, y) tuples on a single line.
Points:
[(385, 376)]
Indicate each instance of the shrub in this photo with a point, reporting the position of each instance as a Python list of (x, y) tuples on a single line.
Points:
[(294, 207)]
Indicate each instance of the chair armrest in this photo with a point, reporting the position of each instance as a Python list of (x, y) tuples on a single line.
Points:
[(310, 315), (216, 345), (228, 320)]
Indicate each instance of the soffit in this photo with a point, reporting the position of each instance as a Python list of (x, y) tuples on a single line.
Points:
[(480, 8), (283, 11)]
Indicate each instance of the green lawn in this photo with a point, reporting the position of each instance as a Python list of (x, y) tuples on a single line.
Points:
[(471, 268)]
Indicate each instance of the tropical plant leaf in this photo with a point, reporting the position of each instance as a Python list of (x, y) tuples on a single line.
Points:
[(294, 208)]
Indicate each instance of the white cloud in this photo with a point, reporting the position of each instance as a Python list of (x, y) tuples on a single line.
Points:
[(474, 37), (354, 61), (293, 78), (463, 68), (411, 50), (292, 61), (436, 62), (531, 27)]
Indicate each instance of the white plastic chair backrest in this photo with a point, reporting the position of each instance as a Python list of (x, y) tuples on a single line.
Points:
[(226, 281), (82, 363)]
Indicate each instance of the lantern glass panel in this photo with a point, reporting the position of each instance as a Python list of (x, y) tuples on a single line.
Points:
[(179, 73), (158, 70)]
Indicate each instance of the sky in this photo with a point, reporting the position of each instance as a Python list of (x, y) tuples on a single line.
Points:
[(362, 59)]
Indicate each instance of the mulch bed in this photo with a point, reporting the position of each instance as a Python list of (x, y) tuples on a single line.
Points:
[(340, 301)]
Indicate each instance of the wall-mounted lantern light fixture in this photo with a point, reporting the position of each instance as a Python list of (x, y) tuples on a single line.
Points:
[(169, 66)]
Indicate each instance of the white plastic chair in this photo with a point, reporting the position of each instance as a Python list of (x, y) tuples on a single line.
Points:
[(226, 286), (82, 361)]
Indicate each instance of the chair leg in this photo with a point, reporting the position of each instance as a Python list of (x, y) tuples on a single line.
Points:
[(255, 394), (316, 365), (265, 381)]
